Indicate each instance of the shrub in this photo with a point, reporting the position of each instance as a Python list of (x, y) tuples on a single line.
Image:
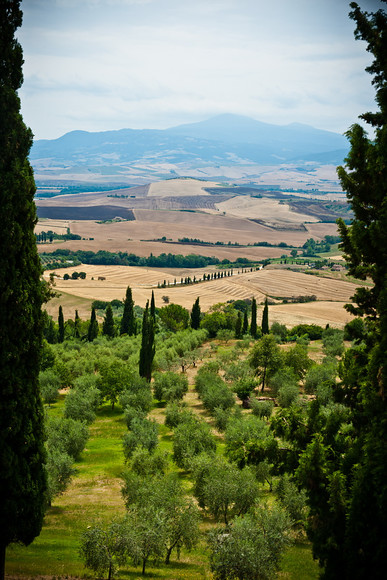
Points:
[(143, 433), (176, 413), (49, 383), (287, 395), (67, 435), (190, 438), (261, 409)]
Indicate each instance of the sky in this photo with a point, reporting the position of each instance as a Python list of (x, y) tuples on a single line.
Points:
[(98, 65)]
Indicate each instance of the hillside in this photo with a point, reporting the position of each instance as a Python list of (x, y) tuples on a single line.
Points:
[(224, 147)]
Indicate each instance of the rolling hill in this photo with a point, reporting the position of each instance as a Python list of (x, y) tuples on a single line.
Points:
[(226, 146)]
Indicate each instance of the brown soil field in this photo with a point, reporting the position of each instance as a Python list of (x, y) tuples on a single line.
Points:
[(151, 224), (78, 294)]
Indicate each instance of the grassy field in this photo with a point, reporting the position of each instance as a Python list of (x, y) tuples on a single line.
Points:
[(94, 496)]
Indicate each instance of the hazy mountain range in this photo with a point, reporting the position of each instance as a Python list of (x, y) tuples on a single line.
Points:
[(224, 140)]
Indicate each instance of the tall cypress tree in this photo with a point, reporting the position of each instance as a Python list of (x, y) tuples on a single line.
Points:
[(265, 318), (128, 322), (147, 350), (153, 308), (108, 328), (77, 322), (22, 454), (245, 325), (253, 325), (195, 315), (238, 325), (61, 328), (92, 332), (346, 477)]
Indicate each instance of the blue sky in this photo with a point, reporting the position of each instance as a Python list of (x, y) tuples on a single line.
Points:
[(99, 65)]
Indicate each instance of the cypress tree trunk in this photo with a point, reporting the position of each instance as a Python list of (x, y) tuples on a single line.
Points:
[(22, 454)]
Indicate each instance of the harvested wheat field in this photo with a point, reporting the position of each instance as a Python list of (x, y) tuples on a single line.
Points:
[(179, 187), (267, 209), (78, 294)]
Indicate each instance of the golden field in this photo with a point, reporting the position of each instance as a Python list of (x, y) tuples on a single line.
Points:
[(331, 294)]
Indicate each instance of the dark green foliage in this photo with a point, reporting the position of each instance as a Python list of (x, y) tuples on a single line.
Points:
[(147, 350), (355, 330), (61, 327), (249, 441), (296, 358), (293, 500), (49, 386), (213, 391), (195, 315), (128, 321), (191, 437), (346, 477), (253, 325), (170, 386), (266, 358), (265, 318), (60, 469), (104, 548), (132, 413), (136, 393), (244, 387), (279, 330), (238, 326), (176, 413), (333, 342), (313, 331), (149, 463), (245, 325), (284, 377), (92, 332), (67, 435), (153, 308), (22, 455), (223, 489), (160, 518), (319, 375), (82, 405), (143, 433), (115, 376), (252, 547), (108, 328), (174, 316), (261, 409), (103, 257)]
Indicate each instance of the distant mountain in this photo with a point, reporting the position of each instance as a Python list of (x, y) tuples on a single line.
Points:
[(222, 140)]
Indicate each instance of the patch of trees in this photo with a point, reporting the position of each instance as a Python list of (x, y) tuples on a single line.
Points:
[(103, 257), (50, 236)]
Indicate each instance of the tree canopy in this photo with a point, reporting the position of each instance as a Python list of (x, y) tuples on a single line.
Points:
[(22, 456)]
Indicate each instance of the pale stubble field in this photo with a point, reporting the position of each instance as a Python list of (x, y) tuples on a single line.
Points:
[(215, 226)]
